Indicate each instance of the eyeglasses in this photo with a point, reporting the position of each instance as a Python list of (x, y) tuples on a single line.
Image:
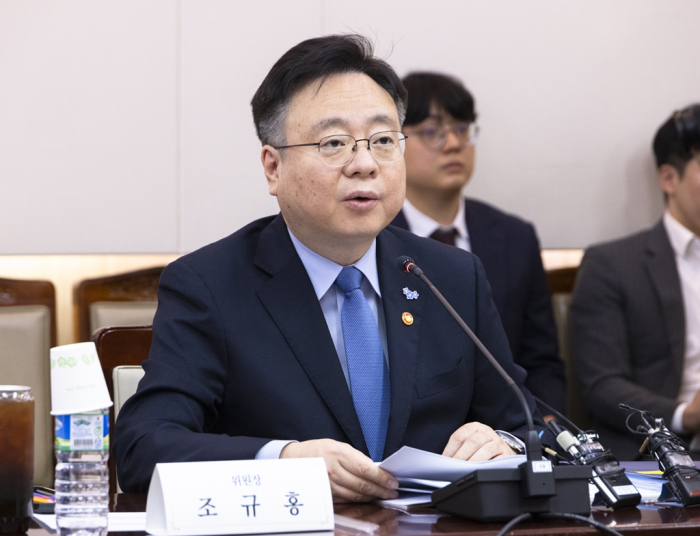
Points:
[(435, 136), (340, 149)]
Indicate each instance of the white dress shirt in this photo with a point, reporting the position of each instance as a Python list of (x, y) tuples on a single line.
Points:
[(686, 247), (422, 225), (323, 273)]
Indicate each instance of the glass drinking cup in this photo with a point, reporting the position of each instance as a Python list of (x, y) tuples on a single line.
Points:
[(16, 458)]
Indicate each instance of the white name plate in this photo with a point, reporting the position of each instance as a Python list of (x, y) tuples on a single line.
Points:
[(239, 497)]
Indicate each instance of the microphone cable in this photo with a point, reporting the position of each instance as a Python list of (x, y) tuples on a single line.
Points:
[(534, 517)]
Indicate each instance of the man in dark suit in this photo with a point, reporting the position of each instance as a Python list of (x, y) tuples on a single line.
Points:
[(442, 131), (635, 314), (298, 335)]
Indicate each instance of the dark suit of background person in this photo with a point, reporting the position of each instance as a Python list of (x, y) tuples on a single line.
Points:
[(627, 316), (627, 333), (509, 251), (242, 354), (506, 245)]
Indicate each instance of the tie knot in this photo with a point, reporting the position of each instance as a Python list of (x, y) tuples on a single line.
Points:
[(446, 236), (349, 279)]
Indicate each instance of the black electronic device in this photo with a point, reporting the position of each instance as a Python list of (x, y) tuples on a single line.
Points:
[(44, 500), (496, 495), (680, 472), (535, 487), (614, 487)]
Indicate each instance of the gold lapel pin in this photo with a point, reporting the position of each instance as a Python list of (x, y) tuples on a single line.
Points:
[(407, 318)]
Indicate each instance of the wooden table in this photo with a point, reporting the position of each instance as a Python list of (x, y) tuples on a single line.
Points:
[(659, 521)]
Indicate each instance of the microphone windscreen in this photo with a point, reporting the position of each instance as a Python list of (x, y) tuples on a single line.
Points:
[(402, 262), (567, 440)]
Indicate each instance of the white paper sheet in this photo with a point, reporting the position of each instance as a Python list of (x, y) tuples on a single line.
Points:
[(408, 462), (404, 502), (418, 485), (116, 521), (649, 486), (421, 484), (126, 521)]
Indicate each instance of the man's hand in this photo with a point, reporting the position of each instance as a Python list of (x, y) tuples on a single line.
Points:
[(353, 476), (691, 414), (476, 442)]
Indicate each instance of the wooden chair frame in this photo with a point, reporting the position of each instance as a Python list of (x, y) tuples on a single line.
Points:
[(561, 280), (140, 285), (125, 345), (19, 292), (27, 292)]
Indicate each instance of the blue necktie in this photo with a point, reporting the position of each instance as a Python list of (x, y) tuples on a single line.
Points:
[(369, 376)]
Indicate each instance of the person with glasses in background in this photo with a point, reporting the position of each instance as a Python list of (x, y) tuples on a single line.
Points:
[(298, 335), (635, 312), (442, 133)]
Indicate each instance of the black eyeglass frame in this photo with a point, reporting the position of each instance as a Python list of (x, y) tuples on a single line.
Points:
[(472, 141), (354, 148)]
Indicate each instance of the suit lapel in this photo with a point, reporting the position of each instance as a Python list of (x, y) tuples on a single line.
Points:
[(661, 266), (487, 243), (290, 300), (402, 339), (400, 221)]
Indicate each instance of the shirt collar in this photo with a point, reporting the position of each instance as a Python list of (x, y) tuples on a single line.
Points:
[(422, 225), (680, 236), (323, 272)]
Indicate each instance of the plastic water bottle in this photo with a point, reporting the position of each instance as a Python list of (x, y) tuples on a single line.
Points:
[(82, 476)]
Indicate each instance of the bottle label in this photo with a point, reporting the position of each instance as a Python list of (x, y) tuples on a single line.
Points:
[(82, 432)]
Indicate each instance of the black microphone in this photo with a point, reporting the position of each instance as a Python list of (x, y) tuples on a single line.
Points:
[(681, 474), (534, 448), (406, 264), (537, 477), (614, 487)]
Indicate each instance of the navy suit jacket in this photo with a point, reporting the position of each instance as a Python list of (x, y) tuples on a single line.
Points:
[(242, 355), (510, 252)]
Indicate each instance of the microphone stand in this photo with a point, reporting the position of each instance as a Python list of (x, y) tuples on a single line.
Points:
[(535, 487)]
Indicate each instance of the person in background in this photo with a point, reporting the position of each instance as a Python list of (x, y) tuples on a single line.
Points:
[(635, 314), (441, 132)]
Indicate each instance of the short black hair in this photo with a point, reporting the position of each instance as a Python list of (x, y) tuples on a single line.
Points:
[(678, 140), (444, 91), (317, 59)]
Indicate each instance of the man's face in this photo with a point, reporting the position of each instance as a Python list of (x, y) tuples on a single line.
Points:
[(337, 206), (437, 170), (684, 196)]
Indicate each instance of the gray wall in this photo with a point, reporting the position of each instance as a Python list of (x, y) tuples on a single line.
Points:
[(125, 126)]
